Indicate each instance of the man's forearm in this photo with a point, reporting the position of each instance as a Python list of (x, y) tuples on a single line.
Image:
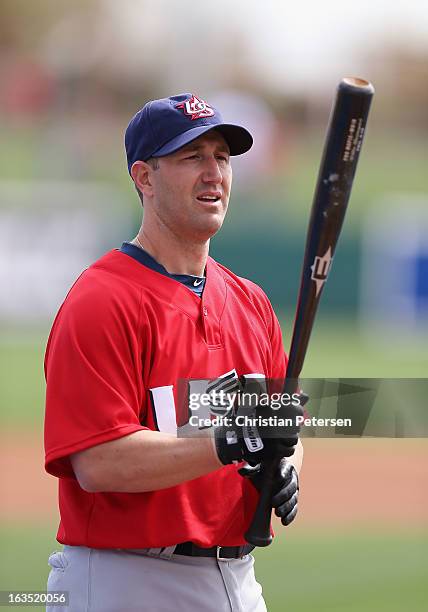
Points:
[(144, 461), (297, 458)]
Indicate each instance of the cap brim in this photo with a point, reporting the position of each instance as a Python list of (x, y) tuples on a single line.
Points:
[(237, 137)]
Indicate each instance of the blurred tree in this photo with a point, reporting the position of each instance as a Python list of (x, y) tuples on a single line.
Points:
[(401, 77), (23, 24)]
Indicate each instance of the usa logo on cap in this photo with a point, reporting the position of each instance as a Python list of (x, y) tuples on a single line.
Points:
[(196, 108)]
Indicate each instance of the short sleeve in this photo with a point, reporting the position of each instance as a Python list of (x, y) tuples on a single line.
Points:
[(93, 372)]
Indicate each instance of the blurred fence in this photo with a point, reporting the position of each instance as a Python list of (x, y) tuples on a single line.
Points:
[(50, 231)]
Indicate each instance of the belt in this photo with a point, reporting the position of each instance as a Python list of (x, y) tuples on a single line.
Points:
[(220, 552)]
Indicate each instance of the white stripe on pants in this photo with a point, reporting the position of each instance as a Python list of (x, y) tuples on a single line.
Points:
[(106, 580)]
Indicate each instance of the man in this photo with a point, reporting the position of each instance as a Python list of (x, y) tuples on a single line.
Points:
[(151, 519)]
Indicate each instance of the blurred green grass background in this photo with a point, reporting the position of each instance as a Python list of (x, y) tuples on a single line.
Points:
[(352, 571)]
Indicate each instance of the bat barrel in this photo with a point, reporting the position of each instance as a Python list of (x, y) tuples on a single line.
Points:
[(343, 143)]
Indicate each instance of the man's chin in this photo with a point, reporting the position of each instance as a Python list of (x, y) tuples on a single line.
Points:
[(207, 230)]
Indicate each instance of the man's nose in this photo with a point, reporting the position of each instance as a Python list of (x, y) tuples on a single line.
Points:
[(212, 172)]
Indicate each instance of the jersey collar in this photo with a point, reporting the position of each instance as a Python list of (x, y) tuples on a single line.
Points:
[(206, 311), (196, 284)]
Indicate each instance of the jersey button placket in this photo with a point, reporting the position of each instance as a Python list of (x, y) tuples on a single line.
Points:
[(204, 312), (210, 326)]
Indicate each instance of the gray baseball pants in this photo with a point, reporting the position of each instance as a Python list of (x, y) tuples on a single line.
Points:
[(153, 580)]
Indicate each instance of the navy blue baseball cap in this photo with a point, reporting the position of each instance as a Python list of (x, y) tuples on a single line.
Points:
[(163, 126)]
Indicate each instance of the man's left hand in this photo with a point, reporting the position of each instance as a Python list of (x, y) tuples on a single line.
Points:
[(286, 488)]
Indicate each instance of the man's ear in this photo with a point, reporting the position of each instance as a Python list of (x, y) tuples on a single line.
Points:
[(141, 174)]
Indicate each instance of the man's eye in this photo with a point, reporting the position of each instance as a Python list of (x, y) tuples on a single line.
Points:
[(223, 158), (194, 156)]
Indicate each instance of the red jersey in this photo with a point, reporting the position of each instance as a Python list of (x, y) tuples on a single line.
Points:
[(121, 342)]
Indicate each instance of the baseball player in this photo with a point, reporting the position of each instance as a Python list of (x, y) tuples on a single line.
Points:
[(150, 519)]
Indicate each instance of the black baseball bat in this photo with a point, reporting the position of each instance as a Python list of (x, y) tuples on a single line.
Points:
[(342, 147)]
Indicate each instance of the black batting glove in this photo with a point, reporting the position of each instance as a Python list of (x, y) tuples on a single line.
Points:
[(258, 436), (285, 500), (286, 488)]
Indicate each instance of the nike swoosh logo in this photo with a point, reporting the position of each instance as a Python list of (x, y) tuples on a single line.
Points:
[(196, 282)]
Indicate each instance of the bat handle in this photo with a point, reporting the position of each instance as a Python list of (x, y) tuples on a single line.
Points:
[(258, 532)]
